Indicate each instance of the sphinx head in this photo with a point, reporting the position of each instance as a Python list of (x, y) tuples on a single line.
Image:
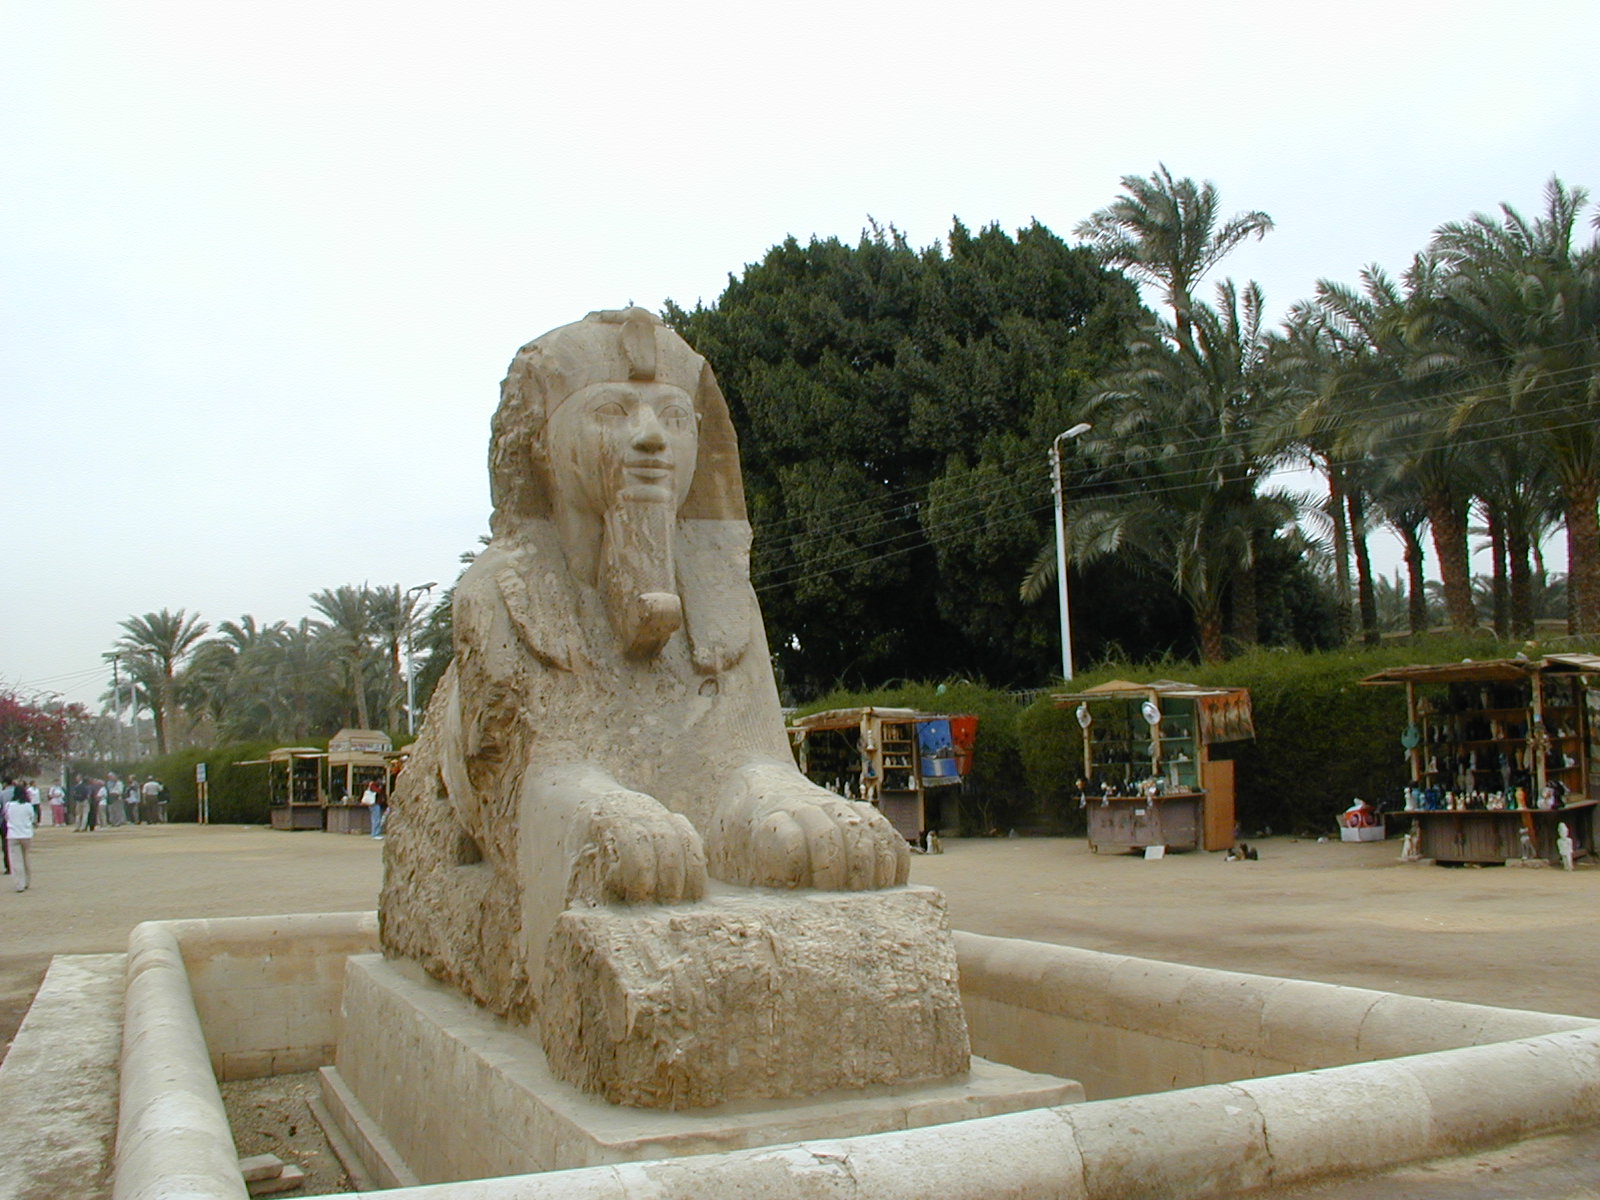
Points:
[(582, 409), (613, 429)]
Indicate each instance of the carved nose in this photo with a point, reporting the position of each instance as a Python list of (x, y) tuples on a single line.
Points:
[(648, 435)]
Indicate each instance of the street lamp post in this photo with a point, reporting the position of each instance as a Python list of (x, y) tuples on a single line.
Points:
[(1077, 430), (411, 674)]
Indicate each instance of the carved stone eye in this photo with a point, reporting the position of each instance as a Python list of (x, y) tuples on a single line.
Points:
[(611, 410), (675, 416)]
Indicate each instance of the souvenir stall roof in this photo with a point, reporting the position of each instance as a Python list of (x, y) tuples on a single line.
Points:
[(1494, 670), (850, 718), (1121, 689), (282, 752), (360, 741), (1225, 712)]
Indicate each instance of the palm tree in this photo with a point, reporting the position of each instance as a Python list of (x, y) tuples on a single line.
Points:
[(1380, 392), (397, 618), (349, 633), (1165, 232), (1522, 309), (229, 677), (1175, 427), (154, 647)]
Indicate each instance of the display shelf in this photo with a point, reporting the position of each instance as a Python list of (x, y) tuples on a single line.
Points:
[(1501, 751)]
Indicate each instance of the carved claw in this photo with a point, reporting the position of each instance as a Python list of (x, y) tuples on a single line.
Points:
[(784, 831), (631, 849)]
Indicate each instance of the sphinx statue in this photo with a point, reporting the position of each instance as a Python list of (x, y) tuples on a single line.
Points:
[(608, 741)]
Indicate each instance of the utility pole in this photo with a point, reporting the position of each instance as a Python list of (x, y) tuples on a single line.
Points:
[(1061, 541)]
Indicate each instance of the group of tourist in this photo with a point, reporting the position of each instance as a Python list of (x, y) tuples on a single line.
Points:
[(114, 801), (95, 803)]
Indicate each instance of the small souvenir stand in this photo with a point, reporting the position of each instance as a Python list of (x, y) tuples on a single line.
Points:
[(1501, 753), (356, 757), (1148, 778), (898, 759), (294, 787)]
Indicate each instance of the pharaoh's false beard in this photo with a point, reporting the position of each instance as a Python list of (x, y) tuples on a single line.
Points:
[(637, 577)]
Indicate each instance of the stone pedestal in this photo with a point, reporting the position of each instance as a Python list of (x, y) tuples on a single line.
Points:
[(753, 995), (445, 1091)]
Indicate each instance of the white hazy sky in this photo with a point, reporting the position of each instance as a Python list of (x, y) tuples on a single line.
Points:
[(262, 265)]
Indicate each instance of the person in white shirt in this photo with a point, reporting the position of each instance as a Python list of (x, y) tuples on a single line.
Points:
[(19, 835)]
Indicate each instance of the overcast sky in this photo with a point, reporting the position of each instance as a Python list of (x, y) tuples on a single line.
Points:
[(263, 264)]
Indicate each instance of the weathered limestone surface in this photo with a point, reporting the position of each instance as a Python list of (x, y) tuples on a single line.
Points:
[(492, 1107), (609, 730), (752, 995), (58, 1083)]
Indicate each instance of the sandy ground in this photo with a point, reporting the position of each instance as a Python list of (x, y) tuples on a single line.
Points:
[(1338, 912)]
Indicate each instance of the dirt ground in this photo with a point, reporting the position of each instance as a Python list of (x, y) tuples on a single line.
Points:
[(1347, 913), (1334, 911)]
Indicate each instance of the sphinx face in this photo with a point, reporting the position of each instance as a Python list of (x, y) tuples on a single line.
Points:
[(617, 444)]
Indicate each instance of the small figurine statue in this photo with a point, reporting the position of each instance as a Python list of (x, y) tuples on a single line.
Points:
[(1564, 845), (1525, 845), (1410, 845)]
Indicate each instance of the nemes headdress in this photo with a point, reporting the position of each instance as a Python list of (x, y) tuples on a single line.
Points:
[(612, 345)]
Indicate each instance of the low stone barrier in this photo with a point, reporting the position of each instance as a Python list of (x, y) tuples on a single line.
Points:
[(1269, 1081)]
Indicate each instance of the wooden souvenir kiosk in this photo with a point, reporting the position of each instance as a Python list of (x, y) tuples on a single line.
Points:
[(900, 760), (1148, 777), (1501, 753), (294, 787), (356, 757)]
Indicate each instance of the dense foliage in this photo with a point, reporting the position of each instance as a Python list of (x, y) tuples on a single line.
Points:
[(34, 737), (894, 408)]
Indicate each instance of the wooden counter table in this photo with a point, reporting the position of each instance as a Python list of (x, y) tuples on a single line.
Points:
[(1495, 835), (1133, 822)]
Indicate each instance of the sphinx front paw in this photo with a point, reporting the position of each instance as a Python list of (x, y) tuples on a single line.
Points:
[(786, 832), (632, 849)]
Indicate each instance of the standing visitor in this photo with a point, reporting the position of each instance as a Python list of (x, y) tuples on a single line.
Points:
[(92, 792), (114, 791), (83, 805), (7, 793), (150, 796), (58, 805), (19, 835), (373, 799)]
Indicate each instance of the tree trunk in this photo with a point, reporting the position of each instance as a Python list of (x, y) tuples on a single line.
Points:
[(1416, 583), (1448, 518), (1341, 549), (1246, 617), (360, 687), (1209, 621), (1499, 589), (1368, 600), (1521, 570), (1583, 554)]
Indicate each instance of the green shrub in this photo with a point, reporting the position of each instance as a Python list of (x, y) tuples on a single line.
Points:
[(238, 786)]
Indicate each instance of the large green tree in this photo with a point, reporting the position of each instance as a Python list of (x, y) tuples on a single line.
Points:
[(894, 406)]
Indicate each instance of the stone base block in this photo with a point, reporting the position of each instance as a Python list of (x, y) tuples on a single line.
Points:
[(753, 995), (459, 1094)]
